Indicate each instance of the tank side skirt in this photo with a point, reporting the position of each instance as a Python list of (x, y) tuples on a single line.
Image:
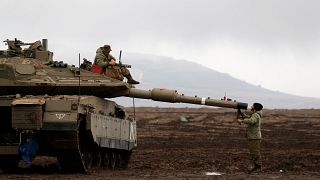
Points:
[(115, 143), (112, 132)]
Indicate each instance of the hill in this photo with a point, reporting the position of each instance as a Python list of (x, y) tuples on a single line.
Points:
[(194, 79)]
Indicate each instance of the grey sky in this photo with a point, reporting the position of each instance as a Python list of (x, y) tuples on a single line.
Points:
[(272, 43)]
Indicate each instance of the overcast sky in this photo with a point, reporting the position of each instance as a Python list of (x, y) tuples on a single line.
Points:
[(272, 43)]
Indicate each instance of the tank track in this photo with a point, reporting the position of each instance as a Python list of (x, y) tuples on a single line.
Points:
[(9, 163), (77, 153)]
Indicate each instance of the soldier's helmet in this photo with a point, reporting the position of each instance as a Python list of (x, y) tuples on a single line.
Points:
[(107, 47), (257, 106)]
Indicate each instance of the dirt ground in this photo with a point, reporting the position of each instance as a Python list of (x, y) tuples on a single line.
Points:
[(210, 142)]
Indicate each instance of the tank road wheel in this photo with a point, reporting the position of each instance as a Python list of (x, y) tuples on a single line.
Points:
[(87, 158), (86, 144), (119, 160), (98, 159), (113, 160), (105, 158), (125, 159)]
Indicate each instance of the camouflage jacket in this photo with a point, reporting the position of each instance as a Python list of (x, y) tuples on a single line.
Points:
[(101, 59), (253, 123)]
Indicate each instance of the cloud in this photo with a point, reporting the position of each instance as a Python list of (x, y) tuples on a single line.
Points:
[(227, 35)]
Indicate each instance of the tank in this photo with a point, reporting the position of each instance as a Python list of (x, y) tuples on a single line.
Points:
[(50, 108)]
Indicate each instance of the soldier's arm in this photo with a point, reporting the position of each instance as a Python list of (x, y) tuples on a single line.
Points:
[(252, 120), (111, 60), (99, 60), (247, 114), (102, 64)]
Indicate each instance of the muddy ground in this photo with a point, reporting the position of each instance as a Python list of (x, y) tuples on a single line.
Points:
[(211, 142)]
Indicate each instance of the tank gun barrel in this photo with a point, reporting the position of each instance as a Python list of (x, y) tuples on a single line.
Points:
[(167, 95)]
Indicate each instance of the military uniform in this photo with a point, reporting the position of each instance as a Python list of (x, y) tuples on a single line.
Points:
[(102, 61), (253, 134)]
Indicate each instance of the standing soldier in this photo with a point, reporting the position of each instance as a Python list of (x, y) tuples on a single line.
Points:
[(105, 60), (253, 134)]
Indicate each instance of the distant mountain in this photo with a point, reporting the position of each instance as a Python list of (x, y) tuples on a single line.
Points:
[(192, 79)]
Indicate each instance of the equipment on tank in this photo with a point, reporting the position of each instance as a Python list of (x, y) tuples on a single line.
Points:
[(51, 108)]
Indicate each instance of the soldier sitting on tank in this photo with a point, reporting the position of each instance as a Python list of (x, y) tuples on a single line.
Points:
[(106, 61)]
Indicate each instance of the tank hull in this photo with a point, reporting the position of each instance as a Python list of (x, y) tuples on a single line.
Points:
[(83, 132)]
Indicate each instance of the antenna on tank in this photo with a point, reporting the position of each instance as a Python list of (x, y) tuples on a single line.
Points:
[(79, 90), (133, 102), (120, 57), (120, 62), (134, 109)]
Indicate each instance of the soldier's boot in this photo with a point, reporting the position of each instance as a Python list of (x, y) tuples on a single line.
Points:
[(131, 80)]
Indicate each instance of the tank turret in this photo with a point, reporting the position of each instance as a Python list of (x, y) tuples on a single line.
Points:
[(51, 108)]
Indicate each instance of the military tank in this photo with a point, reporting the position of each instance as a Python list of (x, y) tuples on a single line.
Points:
[(50, 108)]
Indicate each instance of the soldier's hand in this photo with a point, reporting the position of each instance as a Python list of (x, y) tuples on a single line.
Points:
[(240, 121), (112, 62), (240, 114)]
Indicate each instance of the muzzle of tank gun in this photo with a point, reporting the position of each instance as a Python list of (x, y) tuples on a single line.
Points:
[(172, 96)]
